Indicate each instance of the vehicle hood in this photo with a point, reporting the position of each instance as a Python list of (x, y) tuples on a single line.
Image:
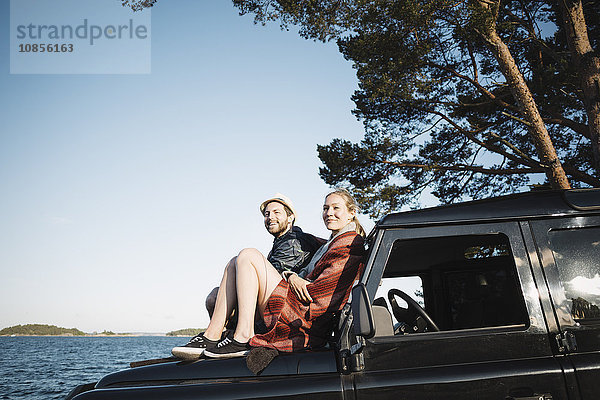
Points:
[(206, 370)]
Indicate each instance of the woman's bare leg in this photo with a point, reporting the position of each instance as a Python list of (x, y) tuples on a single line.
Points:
[(226, 301), (255, 280)]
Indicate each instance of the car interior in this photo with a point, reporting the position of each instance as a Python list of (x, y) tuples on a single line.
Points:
[(449, 283)]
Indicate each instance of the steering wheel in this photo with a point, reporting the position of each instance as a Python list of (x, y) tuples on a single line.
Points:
[(412, 312)]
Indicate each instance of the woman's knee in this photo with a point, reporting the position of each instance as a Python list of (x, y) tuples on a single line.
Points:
[(249, 255)]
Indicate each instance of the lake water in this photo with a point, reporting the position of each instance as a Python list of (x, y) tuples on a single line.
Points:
[(41, 368)]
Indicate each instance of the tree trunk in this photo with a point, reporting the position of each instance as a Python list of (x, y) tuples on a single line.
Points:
[(520, 91), (588, 65)]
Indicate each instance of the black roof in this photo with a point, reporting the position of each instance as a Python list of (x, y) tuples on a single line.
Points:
[(516, 206)]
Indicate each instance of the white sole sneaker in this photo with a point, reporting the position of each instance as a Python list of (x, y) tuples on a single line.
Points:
[(187, 353), (241, 353)]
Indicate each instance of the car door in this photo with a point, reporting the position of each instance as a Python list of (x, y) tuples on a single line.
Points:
[(477, 354), (569, 252)]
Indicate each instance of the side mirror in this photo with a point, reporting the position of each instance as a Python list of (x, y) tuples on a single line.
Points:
[(362, 313)]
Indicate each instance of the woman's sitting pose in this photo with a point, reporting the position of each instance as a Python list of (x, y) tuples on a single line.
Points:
[(298, 309)]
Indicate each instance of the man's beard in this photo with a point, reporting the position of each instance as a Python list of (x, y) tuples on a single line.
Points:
[(278, 229)]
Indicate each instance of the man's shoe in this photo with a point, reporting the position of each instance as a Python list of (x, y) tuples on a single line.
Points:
[(228, 348), (194, 349)]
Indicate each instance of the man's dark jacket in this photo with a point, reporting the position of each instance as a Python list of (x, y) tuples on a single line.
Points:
[(293, 250)]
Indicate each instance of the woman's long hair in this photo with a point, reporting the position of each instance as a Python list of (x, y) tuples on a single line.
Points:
[(351, 205)]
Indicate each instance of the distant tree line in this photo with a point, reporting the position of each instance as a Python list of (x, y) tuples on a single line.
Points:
[(40, 330), (186, 332)]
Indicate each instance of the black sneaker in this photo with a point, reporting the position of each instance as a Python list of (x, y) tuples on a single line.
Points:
[(194, 349), (228, 348)]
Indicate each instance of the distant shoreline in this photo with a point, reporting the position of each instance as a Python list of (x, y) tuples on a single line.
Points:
[(57, 331), (92, 335)]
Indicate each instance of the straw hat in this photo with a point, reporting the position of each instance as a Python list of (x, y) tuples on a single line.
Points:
[(280, 198)]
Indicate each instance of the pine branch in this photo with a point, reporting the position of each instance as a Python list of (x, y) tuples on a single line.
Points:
[(477, 85), (578, 127), (462, 168), (495, 149), (581, 176)]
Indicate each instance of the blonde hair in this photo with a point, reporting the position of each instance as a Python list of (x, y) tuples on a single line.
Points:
[(352, 205)]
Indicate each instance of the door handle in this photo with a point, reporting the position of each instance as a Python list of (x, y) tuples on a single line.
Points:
[(545, 396)]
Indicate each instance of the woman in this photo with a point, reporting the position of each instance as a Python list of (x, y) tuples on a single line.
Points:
[(297, 309)]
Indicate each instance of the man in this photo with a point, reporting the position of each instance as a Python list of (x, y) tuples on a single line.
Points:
[(292, 250)]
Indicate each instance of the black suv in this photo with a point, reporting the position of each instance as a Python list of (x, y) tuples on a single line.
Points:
[(492, 299)]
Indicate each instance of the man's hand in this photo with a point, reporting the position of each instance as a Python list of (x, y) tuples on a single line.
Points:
[(298, 286)]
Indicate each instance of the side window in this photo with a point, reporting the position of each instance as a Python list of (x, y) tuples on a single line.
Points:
[(577, 257), (460, 282)]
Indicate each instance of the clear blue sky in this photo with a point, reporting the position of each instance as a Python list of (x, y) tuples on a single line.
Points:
[(124, 195)]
